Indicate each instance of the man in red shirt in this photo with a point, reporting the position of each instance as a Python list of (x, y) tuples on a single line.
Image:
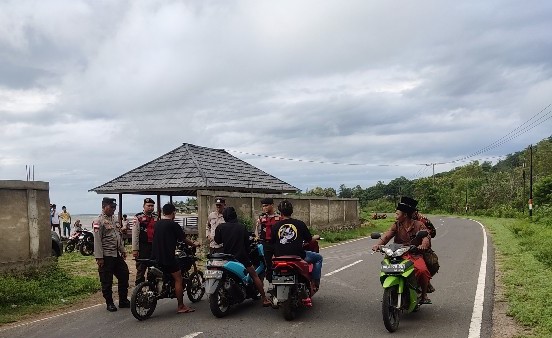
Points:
[(142, 237), (263, 231)]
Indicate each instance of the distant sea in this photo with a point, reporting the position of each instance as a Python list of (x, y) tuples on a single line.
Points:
[(86, 219)]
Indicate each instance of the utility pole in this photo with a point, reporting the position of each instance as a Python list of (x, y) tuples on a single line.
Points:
[(433, 164), (531, 183), (523, 186)]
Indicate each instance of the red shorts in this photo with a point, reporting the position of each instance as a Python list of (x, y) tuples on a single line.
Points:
[(420, 267)]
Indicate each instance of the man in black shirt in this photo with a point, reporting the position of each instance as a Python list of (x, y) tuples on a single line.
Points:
[(167, 233), (235, 241), (288, 236)]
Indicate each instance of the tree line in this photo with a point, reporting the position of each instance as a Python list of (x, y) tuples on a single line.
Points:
[(481, 188)]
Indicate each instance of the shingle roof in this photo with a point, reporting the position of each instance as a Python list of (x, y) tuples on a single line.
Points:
[(189, 168)]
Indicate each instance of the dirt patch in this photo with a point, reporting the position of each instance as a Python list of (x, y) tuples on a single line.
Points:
[(504, 326)]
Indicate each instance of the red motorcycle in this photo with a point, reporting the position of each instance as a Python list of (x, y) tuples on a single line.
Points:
[(292, 282)]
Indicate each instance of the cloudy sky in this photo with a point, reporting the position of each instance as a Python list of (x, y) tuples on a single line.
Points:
[(92, 89)]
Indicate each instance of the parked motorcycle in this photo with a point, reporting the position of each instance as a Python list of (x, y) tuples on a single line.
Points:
[(73, 241), (159, 285), (227, 282), (401, 293), (292, 282), (86, 243)]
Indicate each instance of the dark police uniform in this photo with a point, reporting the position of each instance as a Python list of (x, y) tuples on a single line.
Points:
[(264, 225), (108, 245), (142, 239)]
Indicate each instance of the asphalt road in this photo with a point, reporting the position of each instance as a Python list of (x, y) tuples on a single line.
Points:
[(347, 305)]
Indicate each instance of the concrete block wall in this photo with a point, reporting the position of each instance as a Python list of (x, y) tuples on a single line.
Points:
[(316, 212), (24, 224)]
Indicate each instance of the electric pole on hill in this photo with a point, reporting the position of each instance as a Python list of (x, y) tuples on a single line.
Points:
[(531, 182)]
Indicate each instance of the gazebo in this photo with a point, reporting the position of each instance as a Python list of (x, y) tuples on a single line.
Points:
[(188, 169)]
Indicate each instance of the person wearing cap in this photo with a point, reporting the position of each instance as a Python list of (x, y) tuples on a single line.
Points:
[(66, 221), (213, 220), (263, 231), (142, 237), (110, 255), (403, 230), (167, 233), (234, 238)]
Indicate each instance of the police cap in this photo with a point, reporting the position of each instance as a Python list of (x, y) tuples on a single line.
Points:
[(108, 200), (220, 200), (267, 200), (148, 200)]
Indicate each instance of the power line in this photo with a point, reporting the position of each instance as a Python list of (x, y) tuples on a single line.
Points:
[(325, 162), (518, 131)]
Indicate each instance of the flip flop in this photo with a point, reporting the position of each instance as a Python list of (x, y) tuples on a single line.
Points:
[(188, 310), (426, 301), (267, 303)]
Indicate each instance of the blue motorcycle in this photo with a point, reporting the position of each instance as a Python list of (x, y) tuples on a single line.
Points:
[(227, 282)]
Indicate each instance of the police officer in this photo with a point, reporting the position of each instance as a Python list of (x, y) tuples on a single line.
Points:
[(213, 220), (142, 237), (263, 231), (110, 255)]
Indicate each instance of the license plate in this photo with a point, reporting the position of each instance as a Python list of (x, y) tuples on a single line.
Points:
[(393, 268), (283, 280), (213, 274)]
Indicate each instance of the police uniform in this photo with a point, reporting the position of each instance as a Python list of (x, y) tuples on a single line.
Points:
[(214, 219), (142, 239), (108, 245), (264, 230)]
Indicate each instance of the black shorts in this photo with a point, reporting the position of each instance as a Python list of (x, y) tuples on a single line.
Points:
[(169, 268)]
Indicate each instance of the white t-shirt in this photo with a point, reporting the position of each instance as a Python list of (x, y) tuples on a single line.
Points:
[(55, 217)]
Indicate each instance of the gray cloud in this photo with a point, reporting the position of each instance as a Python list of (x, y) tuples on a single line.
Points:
[(92, 89)]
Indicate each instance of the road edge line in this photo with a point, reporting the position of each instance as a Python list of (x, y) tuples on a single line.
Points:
[(477, 313), (342, 268)]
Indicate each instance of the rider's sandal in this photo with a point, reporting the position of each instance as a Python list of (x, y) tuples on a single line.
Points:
[(267, 303), (426, 301)]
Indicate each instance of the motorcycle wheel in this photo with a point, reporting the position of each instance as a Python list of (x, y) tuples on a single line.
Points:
[(219, 302), (70, 247), (87, 249), (290, 306), (391, 314), (195, 288), (143, 301)]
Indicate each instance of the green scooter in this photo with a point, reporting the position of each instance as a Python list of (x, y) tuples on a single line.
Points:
[(400, 289)]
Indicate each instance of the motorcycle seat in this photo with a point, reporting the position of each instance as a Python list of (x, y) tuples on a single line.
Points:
[(146, 261), (287, 258), (224, 256)]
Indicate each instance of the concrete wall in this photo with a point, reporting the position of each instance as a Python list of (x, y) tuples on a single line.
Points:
[(24, 224), (317, 212)]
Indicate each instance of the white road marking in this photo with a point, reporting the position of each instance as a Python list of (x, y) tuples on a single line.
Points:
[(43, 319), (192, 335), (477, 313), (343, 268), (351, 241)]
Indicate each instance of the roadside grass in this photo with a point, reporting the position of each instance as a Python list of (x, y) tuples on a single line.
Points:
[(333, 237), (525, 256), (74, 277)]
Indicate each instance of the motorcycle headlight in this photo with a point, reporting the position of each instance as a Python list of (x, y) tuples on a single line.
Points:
[(218, 263), (400, 252), (387, 251)]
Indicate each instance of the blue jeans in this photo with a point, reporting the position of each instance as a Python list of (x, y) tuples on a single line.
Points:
[(316, 260)]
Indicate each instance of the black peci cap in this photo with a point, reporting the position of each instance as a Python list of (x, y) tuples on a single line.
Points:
[(267, 200)]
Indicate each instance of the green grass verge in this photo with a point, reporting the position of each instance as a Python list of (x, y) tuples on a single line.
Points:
[(332, 237), (525, 259), (75, 276)]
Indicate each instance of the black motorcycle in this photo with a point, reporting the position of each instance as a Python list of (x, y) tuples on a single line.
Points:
[(73, 241), (86, 243), (160, 285)]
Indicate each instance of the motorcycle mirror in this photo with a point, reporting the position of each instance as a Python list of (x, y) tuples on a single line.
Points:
[(375, 235), (421, 234)]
